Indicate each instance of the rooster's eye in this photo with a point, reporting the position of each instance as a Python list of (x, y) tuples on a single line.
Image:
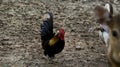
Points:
[(114, 33)]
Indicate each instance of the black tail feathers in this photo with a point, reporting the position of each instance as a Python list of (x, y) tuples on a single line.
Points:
[(47, 27)]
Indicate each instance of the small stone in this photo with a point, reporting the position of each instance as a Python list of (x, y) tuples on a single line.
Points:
[(5, 38), (78, 47), (7, 42), (44, 57)]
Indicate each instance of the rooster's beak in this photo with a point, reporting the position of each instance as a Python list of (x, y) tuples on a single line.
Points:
[(57, 33)]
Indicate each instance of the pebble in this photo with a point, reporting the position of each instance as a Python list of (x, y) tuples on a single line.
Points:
[(79, 46), (7, 42)]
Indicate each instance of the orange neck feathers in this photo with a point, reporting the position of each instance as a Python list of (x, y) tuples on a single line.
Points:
[(53, 40)]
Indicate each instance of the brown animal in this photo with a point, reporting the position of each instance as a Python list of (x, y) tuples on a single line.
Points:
[(104, 30), (113, 23)]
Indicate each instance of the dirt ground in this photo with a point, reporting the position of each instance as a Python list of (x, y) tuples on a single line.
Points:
[(20, 44)]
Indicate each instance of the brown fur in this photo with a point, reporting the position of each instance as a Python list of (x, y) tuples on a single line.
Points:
[(114, 46), (99, 12), (114, 26)]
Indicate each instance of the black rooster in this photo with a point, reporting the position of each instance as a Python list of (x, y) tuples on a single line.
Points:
[(52, 43)]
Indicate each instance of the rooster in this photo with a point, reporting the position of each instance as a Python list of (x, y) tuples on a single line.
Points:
[(52, 43)]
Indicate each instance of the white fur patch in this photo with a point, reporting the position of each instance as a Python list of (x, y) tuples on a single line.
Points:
[(105, 37)]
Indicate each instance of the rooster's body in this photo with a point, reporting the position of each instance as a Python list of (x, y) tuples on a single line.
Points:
[(52, 43)]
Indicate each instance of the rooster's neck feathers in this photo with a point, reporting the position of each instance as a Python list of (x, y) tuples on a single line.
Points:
[(53, 40)]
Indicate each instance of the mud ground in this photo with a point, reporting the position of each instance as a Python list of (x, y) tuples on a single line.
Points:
[(20, 44)]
